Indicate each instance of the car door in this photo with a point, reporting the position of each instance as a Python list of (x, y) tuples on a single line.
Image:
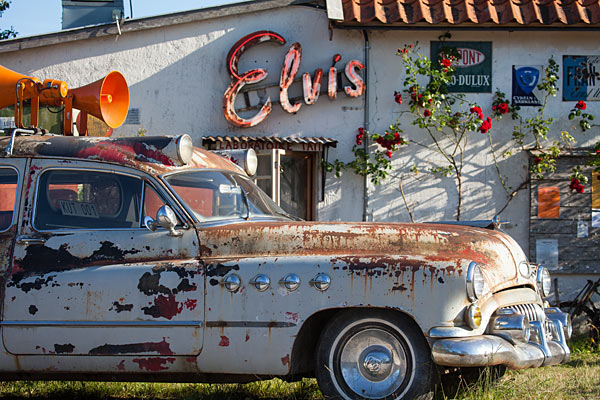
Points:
[(89, 279), (11, 176)]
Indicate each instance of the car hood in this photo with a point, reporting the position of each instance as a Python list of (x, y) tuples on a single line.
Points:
[(364, 244)]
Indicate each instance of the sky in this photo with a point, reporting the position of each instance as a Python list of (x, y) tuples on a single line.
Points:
[(35, 17)]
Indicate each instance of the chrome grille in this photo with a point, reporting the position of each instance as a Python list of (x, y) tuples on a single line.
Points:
[(533, 311)]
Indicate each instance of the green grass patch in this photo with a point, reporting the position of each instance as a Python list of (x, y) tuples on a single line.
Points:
[(575, 380)]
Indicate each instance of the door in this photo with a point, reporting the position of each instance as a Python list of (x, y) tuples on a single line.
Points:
[(89, 279), (11, 176)]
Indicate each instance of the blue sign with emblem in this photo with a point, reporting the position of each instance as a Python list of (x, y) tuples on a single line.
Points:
[(524, 85)]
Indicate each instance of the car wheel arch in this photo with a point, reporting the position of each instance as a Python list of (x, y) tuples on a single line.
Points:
[(305, 344)]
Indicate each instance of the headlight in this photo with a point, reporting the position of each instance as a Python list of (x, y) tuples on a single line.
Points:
[(544, 281), (476, 286), (473, 316)]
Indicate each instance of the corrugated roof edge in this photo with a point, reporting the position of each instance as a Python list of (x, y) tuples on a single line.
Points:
[(133, 25)]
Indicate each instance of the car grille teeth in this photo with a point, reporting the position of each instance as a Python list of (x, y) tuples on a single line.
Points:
[(533, 311)]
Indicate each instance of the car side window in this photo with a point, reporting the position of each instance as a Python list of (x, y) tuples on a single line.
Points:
[(8, 194), (86, 199), (152, 201)]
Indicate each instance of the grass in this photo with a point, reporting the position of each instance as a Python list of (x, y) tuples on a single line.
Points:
[(577, 379)]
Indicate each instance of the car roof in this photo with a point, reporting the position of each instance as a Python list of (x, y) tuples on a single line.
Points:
[(155, 155)]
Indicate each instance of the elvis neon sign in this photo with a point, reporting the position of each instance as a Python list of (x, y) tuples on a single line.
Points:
[(311, 84)]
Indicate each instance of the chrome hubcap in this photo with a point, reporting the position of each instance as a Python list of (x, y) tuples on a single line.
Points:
[(373, 363), (376, 363)]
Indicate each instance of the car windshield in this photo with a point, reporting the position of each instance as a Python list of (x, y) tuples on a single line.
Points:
[(218, 195)]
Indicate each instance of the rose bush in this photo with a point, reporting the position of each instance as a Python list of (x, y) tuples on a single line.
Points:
[(447, 119)]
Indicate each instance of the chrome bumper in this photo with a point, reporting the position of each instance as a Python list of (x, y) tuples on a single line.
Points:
[(548, 346)]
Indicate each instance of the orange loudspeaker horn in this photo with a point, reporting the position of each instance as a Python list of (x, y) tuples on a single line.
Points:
[(106, 99), (15, 89)]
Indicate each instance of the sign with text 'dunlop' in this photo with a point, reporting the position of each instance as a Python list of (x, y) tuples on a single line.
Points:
[(474, 68)]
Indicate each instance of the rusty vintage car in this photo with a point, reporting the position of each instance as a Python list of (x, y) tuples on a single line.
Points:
[(147, 259)]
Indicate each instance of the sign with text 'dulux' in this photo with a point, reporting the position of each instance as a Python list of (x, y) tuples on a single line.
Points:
[(474, 68)]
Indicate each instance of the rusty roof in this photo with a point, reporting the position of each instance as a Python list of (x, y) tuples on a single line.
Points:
[(206, 140), (490, 12), (152, 154)]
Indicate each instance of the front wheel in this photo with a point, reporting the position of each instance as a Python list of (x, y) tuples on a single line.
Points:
[(373, 355)]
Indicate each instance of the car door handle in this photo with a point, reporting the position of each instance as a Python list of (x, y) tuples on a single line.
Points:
[(30, 240)]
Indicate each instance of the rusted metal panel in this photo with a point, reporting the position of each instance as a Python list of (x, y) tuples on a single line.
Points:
[(152, 154), (103, 292), (291, 65), (268, 322), (430, 241), (109, 368), (410, 268), (122, 309)]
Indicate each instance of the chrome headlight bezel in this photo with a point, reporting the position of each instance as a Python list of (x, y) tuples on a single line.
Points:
[(525, 269), (476, 285), (544, 281)]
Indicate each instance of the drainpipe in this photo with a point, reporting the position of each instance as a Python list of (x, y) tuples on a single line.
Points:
[(366, 126)]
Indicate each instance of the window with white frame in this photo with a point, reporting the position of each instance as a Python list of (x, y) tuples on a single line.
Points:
[(288, 177)]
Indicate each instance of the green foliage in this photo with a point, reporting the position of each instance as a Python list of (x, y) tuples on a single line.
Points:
[(584, 345), (6, 33), (538, 128), (448, 120), (376, 167)]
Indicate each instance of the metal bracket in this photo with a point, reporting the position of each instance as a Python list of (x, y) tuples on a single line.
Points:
[(11, 143)]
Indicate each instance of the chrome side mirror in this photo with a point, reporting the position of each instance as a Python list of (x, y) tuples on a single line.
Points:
[(165, 218)]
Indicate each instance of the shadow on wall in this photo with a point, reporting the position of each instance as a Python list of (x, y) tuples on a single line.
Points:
[(434, 198)]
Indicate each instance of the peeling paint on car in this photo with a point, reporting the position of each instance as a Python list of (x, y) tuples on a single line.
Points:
[(63, 348), (163, 348), (164, 307), (118, 307), (154, 363)]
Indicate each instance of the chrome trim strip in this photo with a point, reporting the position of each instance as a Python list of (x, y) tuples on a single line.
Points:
[(87, 324), (240, 220), (248, 324)]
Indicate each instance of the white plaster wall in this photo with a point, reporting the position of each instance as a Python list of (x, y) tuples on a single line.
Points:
[(434, 199), (177, 78)]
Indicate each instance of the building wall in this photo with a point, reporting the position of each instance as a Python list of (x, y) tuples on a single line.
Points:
[(177, 78), (435, 199)]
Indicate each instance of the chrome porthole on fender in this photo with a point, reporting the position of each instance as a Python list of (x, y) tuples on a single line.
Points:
[(231, 282), (321, 282), (261, 282), (291, 282)]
